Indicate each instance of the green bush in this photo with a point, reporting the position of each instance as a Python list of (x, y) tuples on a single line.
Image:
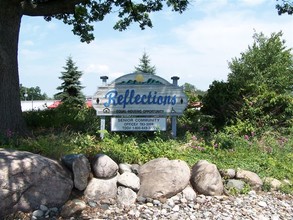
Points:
[(81, 119)]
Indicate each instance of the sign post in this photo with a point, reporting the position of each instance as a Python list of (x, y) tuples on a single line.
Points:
[(139, 102)]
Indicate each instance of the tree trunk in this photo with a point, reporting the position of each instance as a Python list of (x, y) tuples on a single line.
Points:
[(11, 119)]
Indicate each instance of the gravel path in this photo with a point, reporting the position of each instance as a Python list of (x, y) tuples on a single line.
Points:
[(264, 206)]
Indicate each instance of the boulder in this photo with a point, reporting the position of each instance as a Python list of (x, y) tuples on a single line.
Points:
[(123, 167), (228, 173), (129, 180), (28, 180), (80, 166), (189, 194), (72, 207), (275, 184), (206, 179), (250, 177), (125, 196), (104, 167), (101, 189), (163, 178), (236, 184)]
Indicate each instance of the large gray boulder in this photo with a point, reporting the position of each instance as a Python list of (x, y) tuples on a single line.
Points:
[(101, 189), (80, 167), (206, 179), (163, 178), (129, 180), (29, 180), (125, 196), (250, 177), (104, 167)]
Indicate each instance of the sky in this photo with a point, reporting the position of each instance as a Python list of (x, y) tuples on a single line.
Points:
[(195, 46)]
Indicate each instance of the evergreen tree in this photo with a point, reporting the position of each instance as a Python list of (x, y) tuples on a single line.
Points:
[(145, 66), (71, 93)]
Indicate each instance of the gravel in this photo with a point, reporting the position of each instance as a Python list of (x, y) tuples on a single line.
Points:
[(253, 206)]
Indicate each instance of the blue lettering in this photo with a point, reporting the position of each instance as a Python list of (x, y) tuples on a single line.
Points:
[(160, 100), (125, 97), (111, 95), (137, 99), (173, 101), (130, 98), (143, 101)]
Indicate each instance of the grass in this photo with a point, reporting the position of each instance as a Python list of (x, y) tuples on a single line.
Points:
[(266, 159), (268, 155)]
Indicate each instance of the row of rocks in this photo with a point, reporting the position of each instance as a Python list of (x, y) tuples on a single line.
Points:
[(28, 180)]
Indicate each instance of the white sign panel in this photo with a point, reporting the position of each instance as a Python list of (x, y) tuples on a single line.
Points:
[(141, 95), (138, 124)]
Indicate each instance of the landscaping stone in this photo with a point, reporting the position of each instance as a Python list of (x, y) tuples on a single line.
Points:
[(206, 179), (237, 184), (250, 177), (28, 180), (129, 180), (163, 178), (104, 167), (125, 196), (101, 189), (72, 207)]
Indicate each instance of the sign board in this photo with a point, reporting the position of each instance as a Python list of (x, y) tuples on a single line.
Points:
[(139, 94), (138, 124)]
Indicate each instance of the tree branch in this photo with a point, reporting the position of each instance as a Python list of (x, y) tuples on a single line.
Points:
[(49, 7)]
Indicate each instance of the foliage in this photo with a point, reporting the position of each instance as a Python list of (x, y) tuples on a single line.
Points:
[(285, 7), (144, 65), (266, 65), (221, 101), (258, 93), (75, 119), (268, 110), (87, 12), (269, 155), (193, 94), (71, 94), (32, 93), (193, 119)]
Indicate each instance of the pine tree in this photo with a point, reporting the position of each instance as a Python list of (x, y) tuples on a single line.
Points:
[(71, 93), (145, 66)]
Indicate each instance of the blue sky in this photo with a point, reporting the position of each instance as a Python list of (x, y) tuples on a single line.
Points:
[(196, 45)]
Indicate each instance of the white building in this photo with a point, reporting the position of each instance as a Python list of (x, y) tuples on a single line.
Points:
[(35, 105)]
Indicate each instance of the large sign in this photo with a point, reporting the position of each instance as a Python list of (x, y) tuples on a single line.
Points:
[(139, 94), (138, 124)]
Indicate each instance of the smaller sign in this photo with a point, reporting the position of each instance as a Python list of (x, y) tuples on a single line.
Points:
[(138, 124)]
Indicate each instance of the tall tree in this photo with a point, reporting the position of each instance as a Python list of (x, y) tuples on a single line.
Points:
[(144, 65), (71, 94), (32, 93), (78, 13), (267, 64), (261, 73)]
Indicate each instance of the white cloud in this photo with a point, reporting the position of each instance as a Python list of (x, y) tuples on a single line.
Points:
[(96, 68), (196, 49)]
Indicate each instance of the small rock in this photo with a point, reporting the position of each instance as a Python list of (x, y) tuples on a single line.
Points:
[(262, 204), (43, 208), (38, 213)]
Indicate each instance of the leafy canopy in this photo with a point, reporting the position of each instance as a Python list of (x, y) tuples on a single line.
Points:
[(285, 7), (88, 11), (259, 88), (32, 93)]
